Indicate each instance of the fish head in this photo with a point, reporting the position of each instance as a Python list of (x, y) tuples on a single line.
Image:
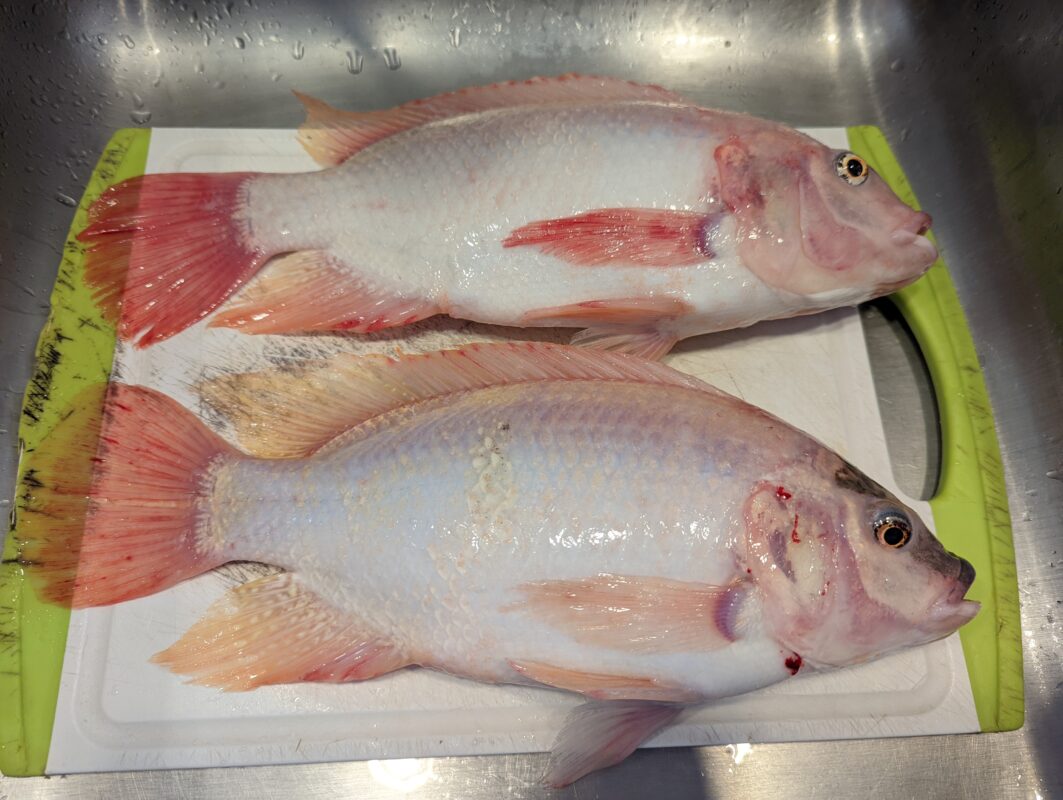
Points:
[(847, 572), (816, 222)]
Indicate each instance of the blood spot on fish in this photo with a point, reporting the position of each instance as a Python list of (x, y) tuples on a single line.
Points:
[(793, 534), (749, 570), (793, 663), (782, 494)]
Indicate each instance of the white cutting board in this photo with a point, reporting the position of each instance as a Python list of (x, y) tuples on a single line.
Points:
[(117, 711)]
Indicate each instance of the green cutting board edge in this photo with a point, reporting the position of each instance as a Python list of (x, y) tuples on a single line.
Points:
[(970, 508)]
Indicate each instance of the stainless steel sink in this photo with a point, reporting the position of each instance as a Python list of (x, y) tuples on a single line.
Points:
[(971, 100)]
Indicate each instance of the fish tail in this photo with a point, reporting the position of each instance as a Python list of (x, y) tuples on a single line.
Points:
[(114, 501), (165, 250)]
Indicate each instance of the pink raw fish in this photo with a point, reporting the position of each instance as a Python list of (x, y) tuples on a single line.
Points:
[(571, 201), (530, 514)]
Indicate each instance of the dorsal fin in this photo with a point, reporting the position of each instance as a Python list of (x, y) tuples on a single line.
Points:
[(293, 413), (331, 136)]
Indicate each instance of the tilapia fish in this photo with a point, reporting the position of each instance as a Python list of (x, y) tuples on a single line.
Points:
[(520, 513), (565, 202)]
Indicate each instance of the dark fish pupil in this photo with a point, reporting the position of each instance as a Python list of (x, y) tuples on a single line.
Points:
[(854, 167), (893, 536)]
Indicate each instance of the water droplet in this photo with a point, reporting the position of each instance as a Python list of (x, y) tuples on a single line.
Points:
[(138, 101), (391, 58), (1054, 474), (354, 62), (141, 116), (103, 40), (127, 40), (455, 37), (298, 51), (905, 133), (896, 65), (66, 199), (200, 68), (239, 43), (275, 76)]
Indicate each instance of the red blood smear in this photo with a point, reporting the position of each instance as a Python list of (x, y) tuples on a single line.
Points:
[(782, 494), (793, 534), (794, 663)]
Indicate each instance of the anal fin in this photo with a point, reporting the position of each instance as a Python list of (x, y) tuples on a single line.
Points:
[(632, 325), (310, 291), (645, 341), (275, 630)]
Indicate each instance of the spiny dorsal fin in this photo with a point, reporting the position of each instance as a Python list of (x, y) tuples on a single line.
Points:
[(291, 414), (331, 136)]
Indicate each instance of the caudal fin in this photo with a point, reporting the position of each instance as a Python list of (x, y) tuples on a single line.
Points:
[(112, 506), (168, 249)]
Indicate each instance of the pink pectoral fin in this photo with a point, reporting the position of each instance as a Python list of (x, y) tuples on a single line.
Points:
[(638, 614), (641, 237), (597, 735)]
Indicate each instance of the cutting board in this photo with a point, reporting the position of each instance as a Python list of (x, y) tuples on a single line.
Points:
[(115, 710)]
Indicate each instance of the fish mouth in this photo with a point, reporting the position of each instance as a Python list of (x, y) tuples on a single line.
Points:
[(918, 224), (918, 251), (952, 610)]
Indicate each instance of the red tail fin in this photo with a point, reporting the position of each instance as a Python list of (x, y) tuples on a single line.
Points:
[(117, 517), (169, 250)]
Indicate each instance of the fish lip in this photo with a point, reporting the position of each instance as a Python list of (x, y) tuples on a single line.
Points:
[(948, 616), (924, 251), (918, 224), (952, 610)]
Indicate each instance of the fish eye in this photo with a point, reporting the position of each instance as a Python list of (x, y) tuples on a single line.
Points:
[(851, 168), (893, 530)]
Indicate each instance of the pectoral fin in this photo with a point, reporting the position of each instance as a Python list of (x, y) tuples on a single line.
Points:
[(638, 614), (640, 237)]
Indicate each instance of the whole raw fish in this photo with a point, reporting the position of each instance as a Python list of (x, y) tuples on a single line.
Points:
[(571, 201), (529, 514)]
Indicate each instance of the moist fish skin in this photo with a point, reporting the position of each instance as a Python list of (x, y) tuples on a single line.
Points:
[(531, 514), (574, 201)]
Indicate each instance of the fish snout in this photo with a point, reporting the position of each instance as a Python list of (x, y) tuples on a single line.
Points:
[(914, 252), (964, 578)]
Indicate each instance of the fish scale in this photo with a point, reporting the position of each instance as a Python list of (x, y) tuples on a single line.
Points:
[(415, 469)]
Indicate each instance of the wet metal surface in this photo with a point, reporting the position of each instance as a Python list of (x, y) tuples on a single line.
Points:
[(969, 97)]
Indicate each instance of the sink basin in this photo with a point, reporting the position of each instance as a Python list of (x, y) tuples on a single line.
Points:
[(970, 103)]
